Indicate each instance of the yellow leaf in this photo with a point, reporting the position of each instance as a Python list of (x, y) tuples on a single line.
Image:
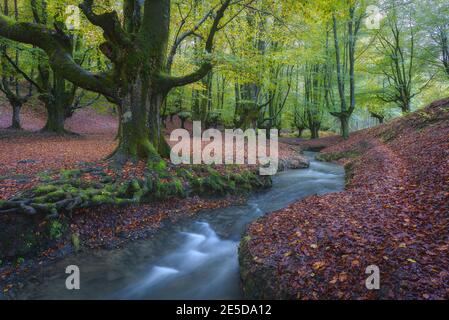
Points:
[(318, 265), (355, 263)]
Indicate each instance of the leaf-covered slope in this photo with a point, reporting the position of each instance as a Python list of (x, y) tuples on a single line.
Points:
[(393, 214)]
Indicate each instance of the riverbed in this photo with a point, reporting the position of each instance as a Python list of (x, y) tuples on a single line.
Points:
[(193, 259)]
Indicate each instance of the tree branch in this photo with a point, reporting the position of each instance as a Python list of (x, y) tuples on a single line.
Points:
[(23, 73), (108, 21), (59, 49), (206, 66), (179, 39)]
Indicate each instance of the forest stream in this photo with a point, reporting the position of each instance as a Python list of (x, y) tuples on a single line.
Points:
[(194, 259)]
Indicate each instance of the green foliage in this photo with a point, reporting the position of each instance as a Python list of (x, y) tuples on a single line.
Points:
[(43, 189), (168, 190), (68, 174), (160, 167), (75, 242), (20, 261), (215, 183), (56, 229)]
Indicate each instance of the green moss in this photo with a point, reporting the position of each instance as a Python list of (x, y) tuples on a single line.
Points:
[(40, 200), (120, 201), (166, 190), (157, 166), (129, 189), (106, 179), (135, 185), (76, 242), (44, 177), (68, 174), (329, 157), (215, 184), (196, 184), (177, 184), (89, 192), (44, 189), (20, 261), (56, 230), (72, 190), (138, 196), (110, 188), (55, 195), (184, 173), (102, 199)]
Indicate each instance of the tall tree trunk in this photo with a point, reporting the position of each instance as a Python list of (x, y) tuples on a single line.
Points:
[(55, 118), (344, 121), (138, 81), (315, 132), (157, 137), (134, 141), (56, 104)]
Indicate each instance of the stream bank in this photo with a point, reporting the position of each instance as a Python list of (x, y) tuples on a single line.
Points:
[(193, 259), (393, 214)]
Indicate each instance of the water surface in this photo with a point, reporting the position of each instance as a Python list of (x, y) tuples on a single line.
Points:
[(193, 259)]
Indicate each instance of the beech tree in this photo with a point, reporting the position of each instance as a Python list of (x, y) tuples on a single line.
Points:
[(9, 82), (345, 64), (138, 81)]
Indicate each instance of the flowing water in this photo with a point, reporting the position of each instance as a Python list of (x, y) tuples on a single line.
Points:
[(194, 259)]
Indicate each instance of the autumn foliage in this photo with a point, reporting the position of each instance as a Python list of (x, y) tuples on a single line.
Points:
[(393, 214)]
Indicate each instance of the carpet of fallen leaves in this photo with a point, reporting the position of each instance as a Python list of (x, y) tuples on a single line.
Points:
[(26, 154), (23, 154), (393, 214)]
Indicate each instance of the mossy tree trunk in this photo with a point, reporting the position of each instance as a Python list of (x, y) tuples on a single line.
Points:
[(138, 81), (344, 120), (315, 132), (16, 116), (16, 102), (57, 100)]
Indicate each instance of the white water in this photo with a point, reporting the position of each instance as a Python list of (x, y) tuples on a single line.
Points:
[(190, 260)]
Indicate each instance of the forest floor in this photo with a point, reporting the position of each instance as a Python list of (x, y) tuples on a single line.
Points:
[(393, 214), (25, 154)]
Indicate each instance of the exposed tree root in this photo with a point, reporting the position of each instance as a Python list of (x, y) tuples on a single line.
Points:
[(72, 190)]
